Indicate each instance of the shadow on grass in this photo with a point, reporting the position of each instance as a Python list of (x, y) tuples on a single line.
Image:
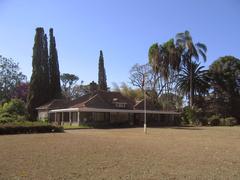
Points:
[(187, 128), (127, 126), (153, 127)]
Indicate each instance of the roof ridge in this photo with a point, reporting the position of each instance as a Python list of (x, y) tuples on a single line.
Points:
[(99, 98), (138, 102), (89, 99)]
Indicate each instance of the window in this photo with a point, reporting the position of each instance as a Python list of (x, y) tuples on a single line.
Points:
[(121, 105)]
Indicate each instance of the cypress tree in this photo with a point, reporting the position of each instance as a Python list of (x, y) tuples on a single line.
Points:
[(45, 64), (55, 86), (102, 80), (39, 83)]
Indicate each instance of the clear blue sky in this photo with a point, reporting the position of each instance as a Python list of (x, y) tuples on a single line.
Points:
[(123, 29)]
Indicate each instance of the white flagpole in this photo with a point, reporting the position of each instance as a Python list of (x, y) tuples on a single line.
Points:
[(145, 109)]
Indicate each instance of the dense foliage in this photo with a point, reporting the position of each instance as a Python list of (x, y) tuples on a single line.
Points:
[(21, 91), (55, 86), (224, 75), (13, 110), (199, 77), (102, 79), (68, 80), (134, 94), (190, 53), (10, 78), (45, 80), (39, 83)]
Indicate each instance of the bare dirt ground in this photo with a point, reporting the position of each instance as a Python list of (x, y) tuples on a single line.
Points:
[(164, 153)]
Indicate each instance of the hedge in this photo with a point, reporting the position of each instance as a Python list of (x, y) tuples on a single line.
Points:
[(26, 129)]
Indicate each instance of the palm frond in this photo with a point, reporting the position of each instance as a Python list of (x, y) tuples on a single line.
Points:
[(200, 79), (202, 46), (180, 35), (202, 54)]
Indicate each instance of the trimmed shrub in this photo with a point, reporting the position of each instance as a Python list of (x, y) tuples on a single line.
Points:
[(203, 120), (27, 129), (230, 121), (214, 120)]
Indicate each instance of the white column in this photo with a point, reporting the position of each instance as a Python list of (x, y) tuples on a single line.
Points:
[(70, 118), (55, 117), (78, 117), (62, 118)]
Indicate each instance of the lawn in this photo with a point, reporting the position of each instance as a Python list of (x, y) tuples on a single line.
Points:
[(73, 126), (164, 153)]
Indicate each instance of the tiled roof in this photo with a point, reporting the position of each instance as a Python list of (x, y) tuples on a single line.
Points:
[(140, 105), (104, 100), (80, 100), (99, 99), (54, 104), (115, 97)]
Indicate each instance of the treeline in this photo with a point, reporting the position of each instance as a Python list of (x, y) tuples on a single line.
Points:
[(172, 75), (45, 80)]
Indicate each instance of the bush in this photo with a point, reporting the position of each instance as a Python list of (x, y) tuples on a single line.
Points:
[(21, 118), (214, 120), (230, 121), (13, 110), (28, 127), (192, 116), (9, 118), (15, 106), (203, 120), (6, 118), (45, 120)]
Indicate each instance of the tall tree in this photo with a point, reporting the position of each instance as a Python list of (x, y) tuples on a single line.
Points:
[(200, 80), (10, 78), (45, 65), (21, 91), (165, 60), (224, 76), (68, 80), (102, 79), (191, 52), (39, 83), (55, 86)]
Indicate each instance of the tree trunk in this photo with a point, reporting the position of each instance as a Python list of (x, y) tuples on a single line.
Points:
[(191, 85)]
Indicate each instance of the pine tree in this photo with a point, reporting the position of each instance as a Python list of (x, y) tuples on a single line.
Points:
[(39, 83), (102, 80), (55, 86)]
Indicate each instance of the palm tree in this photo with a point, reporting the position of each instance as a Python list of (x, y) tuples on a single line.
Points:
[(199, 80), (164, 58), (191, 51)]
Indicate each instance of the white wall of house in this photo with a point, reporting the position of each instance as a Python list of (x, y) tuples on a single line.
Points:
[(42, 114)]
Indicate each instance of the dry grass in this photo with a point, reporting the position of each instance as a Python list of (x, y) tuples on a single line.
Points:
[(165, 153)]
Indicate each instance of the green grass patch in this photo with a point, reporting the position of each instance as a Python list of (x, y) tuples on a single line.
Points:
[(73, 126), (25, 123)]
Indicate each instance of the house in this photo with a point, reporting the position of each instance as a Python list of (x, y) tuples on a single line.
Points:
[(101, 107)]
